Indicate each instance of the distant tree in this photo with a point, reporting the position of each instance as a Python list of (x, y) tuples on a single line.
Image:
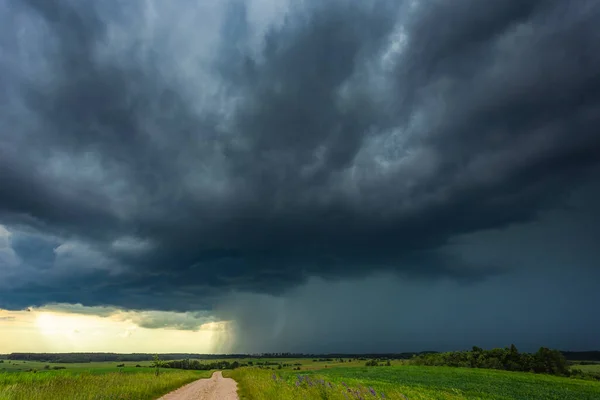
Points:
[(550, 361), (156, 364)]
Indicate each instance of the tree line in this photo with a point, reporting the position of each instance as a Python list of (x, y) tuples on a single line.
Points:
[(544, 361), (116, 357), (113, 357), (201, 366)]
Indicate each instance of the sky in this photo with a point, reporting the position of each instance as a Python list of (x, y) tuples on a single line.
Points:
[(299, 176)]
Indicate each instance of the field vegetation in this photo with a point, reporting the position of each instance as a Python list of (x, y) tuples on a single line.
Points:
[(97, 384), (477, 374), (586, 369), (408, 382), (92, 367)]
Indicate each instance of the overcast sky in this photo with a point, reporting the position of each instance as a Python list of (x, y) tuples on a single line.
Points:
[(312, 175)]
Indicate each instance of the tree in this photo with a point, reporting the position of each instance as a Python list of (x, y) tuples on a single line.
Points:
[(156, 364), (550, 361)]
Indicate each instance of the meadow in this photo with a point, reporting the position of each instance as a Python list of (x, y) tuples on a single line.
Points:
[(593, 368), (590, 368), (91, 367), (131, 366), (407, 382), (97, 381), (296, 378)]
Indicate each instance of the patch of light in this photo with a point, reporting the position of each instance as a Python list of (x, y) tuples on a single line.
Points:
[(51, 324), (397, 44)]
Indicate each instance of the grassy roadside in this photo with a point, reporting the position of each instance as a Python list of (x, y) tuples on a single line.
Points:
[(66, 385)]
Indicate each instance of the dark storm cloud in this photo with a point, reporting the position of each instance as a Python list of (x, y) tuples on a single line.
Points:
[(323, 317), (546, 300), (351, 137)]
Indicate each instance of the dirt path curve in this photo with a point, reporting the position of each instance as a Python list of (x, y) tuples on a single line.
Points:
[(215, 388)]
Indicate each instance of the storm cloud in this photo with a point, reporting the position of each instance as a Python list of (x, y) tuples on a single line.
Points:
[(164, 155)]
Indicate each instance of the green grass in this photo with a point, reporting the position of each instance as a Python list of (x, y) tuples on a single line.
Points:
[(99, 384), (104, 380), (94, 367), (593, 368), (412, 382), (111, 366)]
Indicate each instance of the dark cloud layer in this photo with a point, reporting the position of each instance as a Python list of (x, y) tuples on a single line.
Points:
[(151, 164)]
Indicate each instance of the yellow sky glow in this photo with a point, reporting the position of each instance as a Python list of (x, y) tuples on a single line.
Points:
[(41, 330)]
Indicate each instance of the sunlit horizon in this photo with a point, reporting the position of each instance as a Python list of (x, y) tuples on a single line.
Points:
[(46, 330)]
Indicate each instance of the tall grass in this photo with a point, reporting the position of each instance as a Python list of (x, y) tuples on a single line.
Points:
[(63, 385)]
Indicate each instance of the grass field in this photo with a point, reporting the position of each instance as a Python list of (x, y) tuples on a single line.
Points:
[(93, 367), (408, 382), (594, 368), (130, 366), (330, 379), (97, 384)]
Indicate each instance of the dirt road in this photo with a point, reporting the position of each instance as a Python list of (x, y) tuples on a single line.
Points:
[(215, 388)]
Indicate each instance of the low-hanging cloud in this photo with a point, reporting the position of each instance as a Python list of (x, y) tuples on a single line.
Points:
[(158, 154), (151, 319)]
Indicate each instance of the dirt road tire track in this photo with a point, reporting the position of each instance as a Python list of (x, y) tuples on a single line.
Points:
[(214, 388)]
